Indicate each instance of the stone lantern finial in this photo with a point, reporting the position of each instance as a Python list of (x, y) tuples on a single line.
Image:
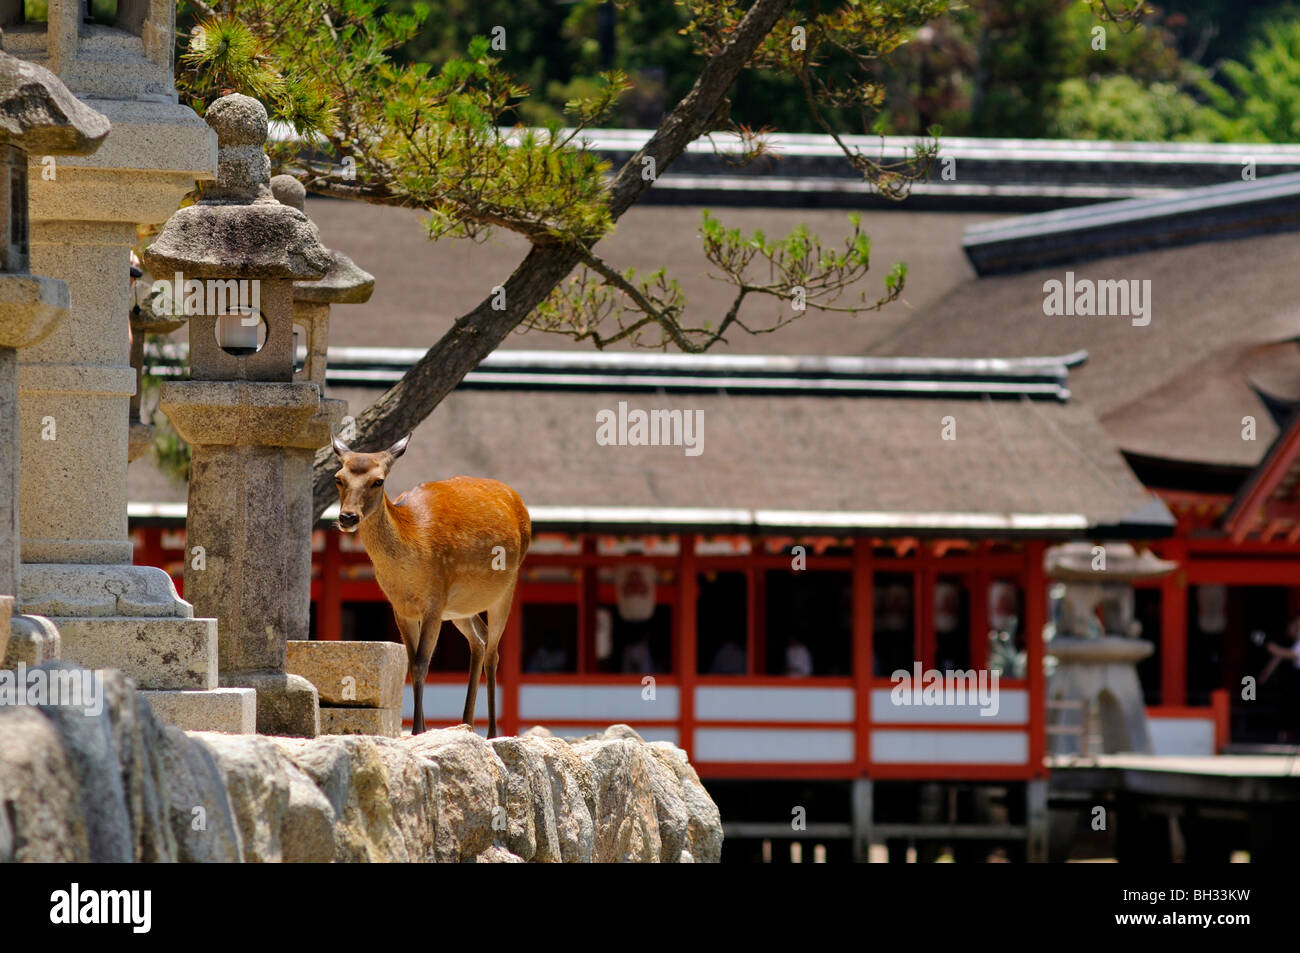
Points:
[(237, 229), (243, 169), (289, 191)]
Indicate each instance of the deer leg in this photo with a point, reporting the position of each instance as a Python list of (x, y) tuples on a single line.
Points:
[(497, 614), (429, 630), (410, 629), (492, 693), (473, 630)]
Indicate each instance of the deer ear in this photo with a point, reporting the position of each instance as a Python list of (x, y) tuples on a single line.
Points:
[(340, 447), (399, 448)]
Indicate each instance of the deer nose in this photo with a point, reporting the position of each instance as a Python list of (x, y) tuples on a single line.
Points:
[(348, 520)]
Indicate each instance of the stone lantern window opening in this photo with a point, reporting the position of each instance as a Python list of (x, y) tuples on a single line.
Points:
[(241, 334), (301, 350), (14, 253), (127, 16), (20, 13), (109, 49)]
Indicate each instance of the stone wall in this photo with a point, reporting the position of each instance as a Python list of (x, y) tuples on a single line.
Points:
[(121, 786)]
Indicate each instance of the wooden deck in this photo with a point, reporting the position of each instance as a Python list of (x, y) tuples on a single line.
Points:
[(1186, 808)]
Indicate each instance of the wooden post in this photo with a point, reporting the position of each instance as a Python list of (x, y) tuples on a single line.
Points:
[(587, 593), (1035, 619), (1173, 626), (329, 610), (687, 640), (863, 662), (977, 590)]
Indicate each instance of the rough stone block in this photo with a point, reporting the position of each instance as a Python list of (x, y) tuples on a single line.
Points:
[(158, 653), (361, 721), (229, 710), (351, 674), (32, 640), (286, 704)]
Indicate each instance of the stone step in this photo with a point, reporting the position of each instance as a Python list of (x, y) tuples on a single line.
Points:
[(361, 721), (351, 674), (155, 653), (230, 710)]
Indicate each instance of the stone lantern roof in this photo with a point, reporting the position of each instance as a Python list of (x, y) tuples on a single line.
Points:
[(40, 116), (345, 282), (237, 229)]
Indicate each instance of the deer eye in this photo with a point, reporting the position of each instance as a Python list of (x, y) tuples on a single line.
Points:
[(377, 484)]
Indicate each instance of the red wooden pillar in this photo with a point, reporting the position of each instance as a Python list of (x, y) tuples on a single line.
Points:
[(1035, 619), (978, 600), (1173, 625), (687, 639), (587, 598), (926, 644), (329, 611), (1221, 705), (863, 661), (511, 664)]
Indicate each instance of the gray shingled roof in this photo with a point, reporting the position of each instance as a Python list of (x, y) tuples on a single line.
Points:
[(1175, 389), (881, 459)]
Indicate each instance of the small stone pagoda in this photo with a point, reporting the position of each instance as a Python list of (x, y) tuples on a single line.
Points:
[(242, 410), (1096, 643), (37, 116)]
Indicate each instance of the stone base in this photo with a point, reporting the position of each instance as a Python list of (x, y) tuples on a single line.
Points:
[(351, 674), (286, 704), (361, 721), (32, 640), (1103, 673), (231, 710), (157, 653)]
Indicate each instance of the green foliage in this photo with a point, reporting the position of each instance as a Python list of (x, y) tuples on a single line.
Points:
[(1261, 100), (646, 311), (1121, 108), (446, 139)]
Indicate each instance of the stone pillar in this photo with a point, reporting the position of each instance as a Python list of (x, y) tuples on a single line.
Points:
[(37, 114), (1096, 645), (344, 283), (75, 386), (242, 408)]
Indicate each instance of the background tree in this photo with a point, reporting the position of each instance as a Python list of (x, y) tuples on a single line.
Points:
[(443, 140)]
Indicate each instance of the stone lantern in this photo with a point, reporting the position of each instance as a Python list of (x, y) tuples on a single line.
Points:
[(1096, 643), (76, 385), (235, 256), (344, 283), (37, 115)]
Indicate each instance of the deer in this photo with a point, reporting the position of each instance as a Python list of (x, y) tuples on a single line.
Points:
[(443, 550)]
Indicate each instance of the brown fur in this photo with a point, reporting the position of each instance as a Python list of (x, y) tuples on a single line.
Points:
[(434, 549)]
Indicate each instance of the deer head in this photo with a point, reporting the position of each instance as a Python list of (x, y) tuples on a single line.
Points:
[(360, 480)]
